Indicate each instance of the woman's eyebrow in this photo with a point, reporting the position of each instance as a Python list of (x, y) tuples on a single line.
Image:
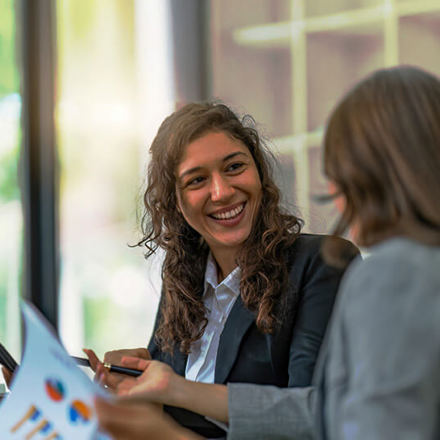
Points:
[(190, 171), (230, 156)]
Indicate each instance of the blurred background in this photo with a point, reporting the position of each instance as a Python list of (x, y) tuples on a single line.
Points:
[(106, 73)]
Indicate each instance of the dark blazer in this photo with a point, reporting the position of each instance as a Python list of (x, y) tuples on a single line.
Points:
[(287, 357)]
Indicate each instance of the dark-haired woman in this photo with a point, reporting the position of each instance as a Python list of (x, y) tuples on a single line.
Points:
[(246, 297), (378, 376)]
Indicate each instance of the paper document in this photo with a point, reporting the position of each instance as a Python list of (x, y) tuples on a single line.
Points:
[(51, 398)]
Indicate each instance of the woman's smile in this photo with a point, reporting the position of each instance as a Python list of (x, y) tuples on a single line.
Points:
[(229, 216), (219, 190)]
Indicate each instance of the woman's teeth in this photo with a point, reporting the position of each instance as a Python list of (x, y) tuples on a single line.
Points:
[(229, 214)]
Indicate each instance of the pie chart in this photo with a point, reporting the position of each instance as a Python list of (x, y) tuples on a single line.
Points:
[(79, 413), (54, 389)]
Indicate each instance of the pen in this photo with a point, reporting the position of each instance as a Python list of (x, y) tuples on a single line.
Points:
[(112, 368)]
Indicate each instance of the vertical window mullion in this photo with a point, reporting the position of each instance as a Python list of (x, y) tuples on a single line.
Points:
[(39, 167)]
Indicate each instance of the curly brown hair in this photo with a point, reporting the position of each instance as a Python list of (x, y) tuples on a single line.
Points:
[(263, 255), (382, 150)]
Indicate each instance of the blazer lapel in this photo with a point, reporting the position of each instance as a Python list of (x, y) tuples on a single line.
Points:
[(178, 362), (239, 320)]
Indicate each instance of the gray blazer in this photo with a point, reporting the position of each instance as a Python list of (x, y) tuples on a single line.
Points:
[(378, 375)]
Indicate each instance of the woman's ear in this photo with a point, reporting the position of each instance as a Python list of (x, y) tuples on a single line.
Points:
[(339, 199), (179, 209), (178, 203)]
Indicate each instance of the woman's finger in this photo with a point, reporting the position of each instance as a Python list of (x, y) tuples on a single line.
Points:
[(110, 380), (134, 362), (114, 357), (93, 359)]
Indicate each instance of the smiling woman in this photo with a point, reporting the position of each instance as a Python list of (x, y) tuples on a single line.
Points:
[(246, 297), (219, 193)]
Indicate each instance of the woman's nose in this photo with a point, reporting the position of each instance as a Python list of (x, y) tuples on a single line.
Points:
[(221, 189)]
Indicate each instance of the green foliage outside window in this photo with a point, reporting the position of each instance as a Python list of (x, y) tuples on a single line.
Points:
[(9, 88), (10, 211), (9, 81)]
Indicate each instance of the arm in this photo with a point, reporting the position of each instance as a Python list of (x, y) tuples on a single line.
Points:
[(383, 371), (259, 411), (210, 400), (159, 383)]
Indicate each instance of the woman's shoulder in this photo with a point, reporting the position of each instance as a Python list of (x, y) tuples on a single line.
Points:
[(392, 296), (309, 246), (406, 251), (398, 270), (399, 256), (307, 266)]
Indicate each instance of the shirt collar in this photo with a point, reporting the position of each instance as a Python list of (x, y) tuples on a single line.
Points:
[(232, 281)]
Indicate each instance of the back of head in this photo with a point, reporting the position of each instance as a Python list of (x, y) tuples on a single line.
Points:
[(382, 150)]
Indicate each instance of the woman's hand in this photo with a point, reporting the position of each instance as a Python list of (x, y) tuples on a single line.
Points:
[(128, 420), (158, 382), (112, 380), (115, 357)]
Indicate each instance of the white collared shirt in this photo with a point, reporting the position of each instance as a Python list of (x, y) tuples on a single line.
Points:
[(218, 299)]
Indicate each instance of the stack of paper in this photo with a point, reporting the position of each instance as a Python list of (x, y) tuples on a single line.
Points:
[(51, 398)]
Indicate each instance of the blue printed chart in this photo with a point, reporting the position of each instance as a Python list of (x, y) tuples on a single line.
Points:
[(51, 398)]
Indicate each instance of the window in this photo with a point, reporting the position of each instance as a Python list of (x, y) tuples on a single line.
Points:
[(11, 219), (114, 89), (287, 62)]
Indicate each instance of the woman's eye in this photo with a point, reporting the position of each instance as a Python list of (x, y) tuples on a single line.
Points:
[(195, 181), (235, 166)]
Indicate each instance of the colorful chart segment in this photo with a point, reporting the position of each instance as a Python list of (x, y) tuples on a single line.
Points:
[(79, 413), (55, 389)]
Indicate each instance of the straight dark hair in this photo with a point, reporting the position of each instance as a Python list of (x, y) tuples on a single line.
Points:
[(382, 151)]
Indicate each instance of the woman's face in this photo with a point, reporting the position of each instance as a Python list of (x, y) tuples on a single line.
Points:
[(340, 203), (338, 200), (218, 190)]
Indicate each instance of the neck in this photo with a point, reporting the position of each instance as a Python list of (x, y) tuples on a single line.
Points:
[(225, 260)]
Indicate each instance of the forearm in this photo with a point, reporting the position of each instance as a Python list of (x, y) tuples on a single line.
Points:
[(210, 400), (265, 411)]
